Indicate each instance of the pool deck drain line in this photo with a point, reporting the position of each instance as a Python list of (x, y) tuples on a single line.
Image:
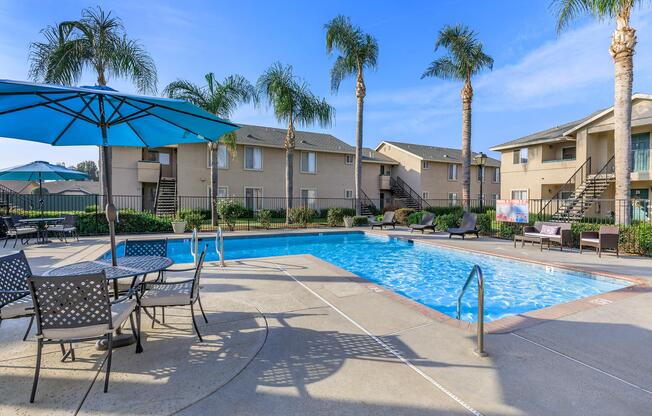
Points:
[(575, 360), (387, 347)]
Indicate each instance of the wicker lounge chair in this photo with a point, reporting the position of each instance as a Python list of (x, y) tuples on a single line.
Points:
[(16, 231), (607, 238), (466, 227), (175, 293), (15, 300), (71, 309), (426, 223), (388, 219)]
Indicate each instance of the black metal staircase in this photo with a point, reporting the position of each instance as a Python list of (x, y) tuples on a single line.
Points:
[(367, 206), (166, 197), (407, 196)]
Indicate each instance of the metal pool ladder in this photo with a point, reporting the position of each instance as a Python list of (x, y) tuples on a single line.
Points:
[(476, 271)]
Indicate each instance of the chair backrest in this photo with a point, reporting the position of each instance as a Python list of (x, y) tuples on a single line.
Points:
[(388, 216), (9, 223), (146, 248), (427, 219), (195, 281), (66, 302), (468, 220), (561, 225), (14, 272), (609, 229), (70, 220)]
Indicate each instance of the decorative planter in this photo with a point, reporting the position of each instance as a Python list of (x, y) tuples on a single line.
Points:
[(179, 227), (348, 222)]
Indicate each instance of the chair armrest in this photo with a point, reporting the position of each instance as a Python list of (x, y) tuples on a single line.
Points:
[(132, 291), (589, 234), (190, 269), (144, 285), (529, 229)]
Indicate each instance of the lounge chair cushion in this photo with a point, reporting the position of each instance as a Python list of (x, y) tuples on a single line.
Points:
[(119, 314), (22, 231), (591, 240), (167, 295), (549, 230), (20, 307), (540, 235)]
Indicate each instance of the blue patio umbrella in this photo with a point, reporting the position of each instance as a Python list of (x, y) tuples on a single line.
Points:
[(41, 171), (101, 116)]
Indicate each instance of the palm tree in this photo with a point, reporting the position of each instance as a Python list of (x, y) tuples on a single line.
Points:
[(98, 42), (293, 104), (465, 59), (622, 46), (357, 51), (221, 99)]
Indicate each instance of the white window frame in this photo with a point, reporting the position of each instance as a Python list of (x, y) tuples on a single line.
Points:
[(346, 159), (496, 176), (348, 194), (244, 162), (521, 151), (209, 191), (220, 146), (568, 147), (482, 170), (303, 169), (495, 197), (425, 164), (425, 195), (261, 197), (452, 198), (456, 172), (308, 204), (527, 193)]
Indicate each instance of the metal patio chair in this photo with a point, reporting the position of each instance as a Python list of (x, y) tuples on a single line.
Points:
[(15, 300), (175, 293), (78, 308), (17, 231), (67, 227)]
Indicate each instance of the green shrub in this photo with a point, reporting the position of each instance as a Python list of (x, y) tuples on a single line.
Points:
[(265, 218), (229, 211), (484, 223), (415, 217), (194, 220), (445, 210), (91, 208), (446, 221), (129, 222), (301, 215), (643, 234), (183, 213), (401, 215), (360, 220), (335, 217)]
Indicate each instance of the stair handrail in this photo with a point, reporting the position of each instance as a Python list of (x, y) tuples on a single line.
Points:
[(158, 187), (584, 170), (365, 200), (477, 272), (422, 203), (605, 170)]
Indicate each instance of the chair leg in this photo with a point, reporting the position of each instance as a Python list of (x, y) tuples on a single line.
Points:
[(109, 353), (201, 308), (37, 370), (139, 345), (153, 316), (163, 313), (194, 323), (29, 328)]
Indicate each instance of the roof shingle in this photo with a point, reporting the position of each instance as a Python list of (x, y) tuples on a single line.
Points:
[(439, 154)]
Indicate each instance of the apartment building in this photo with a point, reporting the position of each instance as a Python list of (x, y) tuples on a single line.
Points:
[(435, 173), (574, 162)]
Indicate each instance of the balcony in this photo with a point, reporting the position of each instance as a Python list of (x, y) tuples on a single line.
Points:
[(384, 182), (640, 160), (148, 171)]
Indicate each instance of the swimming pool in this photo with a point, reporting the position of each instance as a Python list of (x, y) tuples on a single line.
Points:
[(429, 275)]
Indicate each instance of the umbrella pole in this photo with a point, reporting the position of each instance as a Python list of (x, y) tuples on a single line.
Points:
[(109, 210), (40, 193)]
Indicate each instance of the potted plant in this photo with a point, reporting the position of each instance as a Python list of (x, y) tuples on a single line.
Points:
[(178, 225), (348, 222)]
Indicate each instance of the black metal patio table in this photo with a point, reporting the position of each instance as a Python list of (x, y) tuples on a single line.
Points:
[(41, 225), (128, 267)]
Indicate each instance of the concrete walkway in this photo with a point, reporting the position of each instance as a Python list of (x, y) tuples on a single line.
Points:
[(295, 335)]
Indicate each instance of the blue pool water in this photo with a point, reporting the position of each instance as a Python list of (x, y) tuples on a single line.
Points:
[(429, 275)]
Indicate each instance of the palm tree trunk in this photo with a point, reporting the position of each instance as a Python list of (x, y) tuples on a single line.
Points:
[(212, 148), (467, 98), (360, 92), (289, 169), (622, 51)]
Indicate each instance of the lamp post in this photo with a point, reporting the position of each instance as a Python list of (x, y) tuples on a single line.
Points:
[(481, 160)]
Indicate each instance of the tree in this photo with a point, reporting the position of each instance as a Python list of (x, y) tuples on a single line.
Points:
[(293, 103), (97, 42), (465, 59), (221, 99), (89, 167), (622, 46), (357, 52)]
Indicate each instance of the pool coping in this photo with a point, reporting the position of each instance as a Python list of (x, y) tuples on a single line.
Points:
[(499, 326)]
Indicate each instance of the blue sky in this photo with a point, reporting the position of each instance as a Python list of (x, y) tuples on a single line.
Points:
[(539, 79)]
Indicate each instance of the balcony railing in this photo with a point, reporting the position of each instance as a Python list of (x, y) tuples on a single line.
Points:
[(640, 160), (148, 171), (384, 182)]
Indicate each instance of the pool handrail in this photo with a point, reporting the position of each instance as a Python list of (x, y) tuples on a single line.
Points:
[(476, 271), (219, 246), (194, 246)]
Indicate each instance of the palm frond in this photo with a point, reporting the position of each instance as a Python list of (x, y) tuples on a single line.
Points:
[(444, 68), (186, 90), (130, 60)]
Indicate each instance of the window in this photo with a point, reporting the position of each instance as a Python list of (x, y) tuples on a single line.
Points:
[(452, 172), (222, 191), (481, 173), (495, 197), (348, 193), (425, 164), (520, 156), (222, 157), (164, 158), (565, 195), (308, 162), (481, 197), (385, 170), (349, 159), (452, 198), (308, 198), (253, 158), (425, 195), (519, 194), (254, 198), (496, 177), (568, 153)]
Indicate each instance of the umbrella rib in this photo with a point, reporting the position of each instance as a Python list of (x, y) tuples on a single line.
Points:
[(128, 124), (115, 111), (50, 101), (176, 110), (133, 116), (91, 108), (174, 124), (72, 121)]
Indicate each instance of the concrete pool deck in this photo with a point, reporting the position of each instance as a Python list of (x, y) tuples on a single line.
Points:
[(293, 335)]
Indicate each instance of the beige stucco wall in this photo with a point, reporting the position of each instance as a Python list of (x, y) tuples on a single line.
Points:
[(435, 182), (408, 168)]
